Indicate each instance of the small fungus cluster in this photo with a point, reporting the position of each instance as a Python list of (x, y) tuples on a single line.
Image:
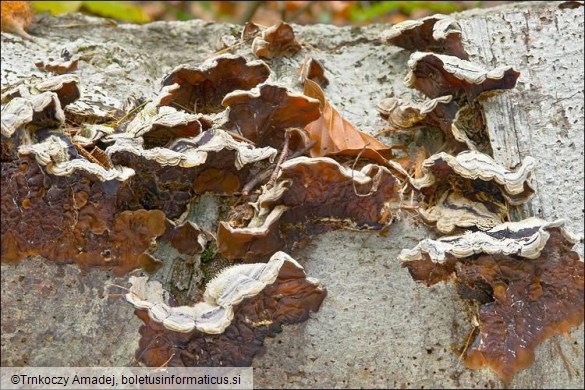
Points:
[(108, 193)]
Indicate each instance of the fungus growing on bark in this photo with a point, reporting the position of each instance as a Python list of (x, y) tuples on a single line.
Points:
[(202, 88), (528, 281), (47, 111), (59, 66), (241, 306), (193, 152), (276, 41), (34, 104), (469, 190), (75, 217), (168, 178), (440, 75), (15, 115), (469, 128), (219, 181), (249, 31), (90, 134), (186, 237), (478, 170), (65, 86), (321, 187), (312, 191), (162, 125), (453, 210), (260, 239), (464, 126), (91, 112), (262, 115), (405, 115), (59, 157), (437, 33)]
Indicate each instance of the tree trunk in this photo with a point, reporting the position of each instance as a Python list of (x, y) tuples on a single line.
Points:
[(377, 327)]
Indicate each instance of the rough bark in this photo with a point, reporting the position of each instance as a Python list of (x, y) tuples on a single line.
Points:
[(377, 328)]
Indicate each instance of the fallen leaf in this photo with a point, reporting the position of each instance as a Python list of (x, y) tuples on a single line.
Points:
[(335, 135)]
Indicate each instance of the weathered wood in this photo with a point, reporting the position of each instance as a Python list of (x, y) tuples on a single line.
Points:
[(543, 116), (377, 328)]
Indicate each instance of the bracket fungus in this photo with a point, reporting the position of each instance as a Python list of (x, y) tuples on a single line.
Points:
[(73, 218), (107, 195), (438, 75), (58, 66), (263, 114), (168, 178), (59, 157), (202, 88), (479, 169), (195, 151), (260, 239), (453, 210), (249, 31), (309, 191), (162, 125), (241, 306), (404, 115), (470, 189), (436, 33), (34, 104), (186, 237), (527, 280), (65, 86), (41, 110), (91, 134), (15, 115), (276, 41)]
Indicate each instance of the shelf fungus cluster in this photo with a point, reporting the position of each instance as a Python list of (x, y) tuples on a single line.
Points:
[(437, 33), (108, 194), (241, 306), (311, 195), (290, 166), (460, 186), (453, 85), (523, 277)]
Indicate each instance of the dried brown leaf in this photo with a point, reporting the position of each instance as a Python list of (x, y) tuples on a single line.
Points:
[(335, 135)]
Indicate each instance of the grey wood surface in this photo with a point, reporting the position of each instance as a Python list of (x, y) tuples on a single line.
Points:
[(376, 328)]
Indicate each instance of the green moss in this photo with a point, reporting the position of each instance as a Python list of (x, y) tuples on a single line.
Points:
[(209, 252)]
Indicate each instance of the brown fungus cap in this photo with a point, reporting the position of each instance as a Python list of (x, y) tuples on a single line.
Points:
[(311, 69), (263, 115), (437, 33), (242, 305), (528, 281), (252, 243), (312, 195), (75, 220), (276, 41), (202, 88), (58, 66), (475, 172), (440, 75)]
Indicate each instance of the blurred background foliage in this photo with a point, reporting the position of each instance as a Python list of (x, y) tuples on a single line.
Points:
[(262, 12)]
